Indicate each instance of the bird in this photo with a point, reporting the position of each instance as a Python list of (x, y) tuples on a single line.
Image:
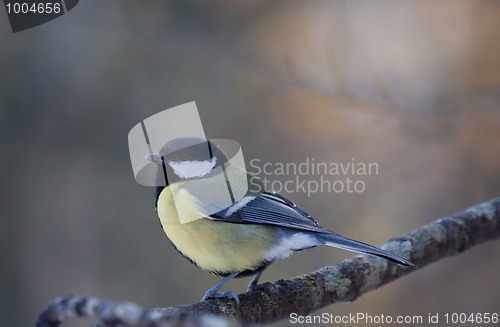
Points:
[(237, 238)]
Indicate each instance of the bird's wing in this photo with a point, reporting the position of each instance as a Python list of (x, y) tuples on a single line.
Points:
[(268, 208)]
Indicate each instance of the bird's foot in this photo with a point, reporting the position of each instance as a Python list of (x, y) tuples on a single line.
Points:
[(266, 285), (214, 295)]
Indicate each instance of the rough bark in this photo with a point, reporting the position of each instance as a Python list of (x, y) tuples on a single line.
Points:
[(303, 294)]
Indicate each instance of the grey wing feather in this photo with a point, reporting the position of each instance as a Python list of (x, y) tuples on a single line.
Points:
[(271, 209)]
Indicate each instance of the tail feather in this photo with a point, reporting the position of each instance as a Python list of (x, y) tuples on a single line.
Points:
[(344, 243)]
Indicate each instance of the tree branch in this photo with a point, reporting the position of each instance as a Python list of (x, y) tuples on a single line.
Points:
[(304, 294)]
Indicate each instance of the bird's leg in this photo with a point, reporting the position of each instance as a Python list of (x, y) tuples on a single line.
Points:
[(212, 292), (255, 281)]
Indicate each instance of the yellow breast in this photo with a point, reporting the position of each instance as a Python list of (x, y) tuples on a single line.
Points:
[(213, 245)]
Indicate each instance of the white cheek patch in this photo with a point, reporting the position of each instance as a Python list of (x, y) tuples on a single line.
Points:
[(194, 168)]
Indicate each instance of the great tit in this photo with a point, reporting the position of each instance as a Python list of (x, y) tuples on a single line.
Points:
[(240, 239)]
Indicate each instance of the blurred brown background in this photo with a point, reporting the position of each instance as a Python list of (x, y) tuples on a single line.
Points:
[(411, 85)]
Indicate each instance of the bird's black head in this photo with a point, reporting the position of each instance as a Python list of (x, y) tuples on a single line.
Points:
[(188, 157)]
